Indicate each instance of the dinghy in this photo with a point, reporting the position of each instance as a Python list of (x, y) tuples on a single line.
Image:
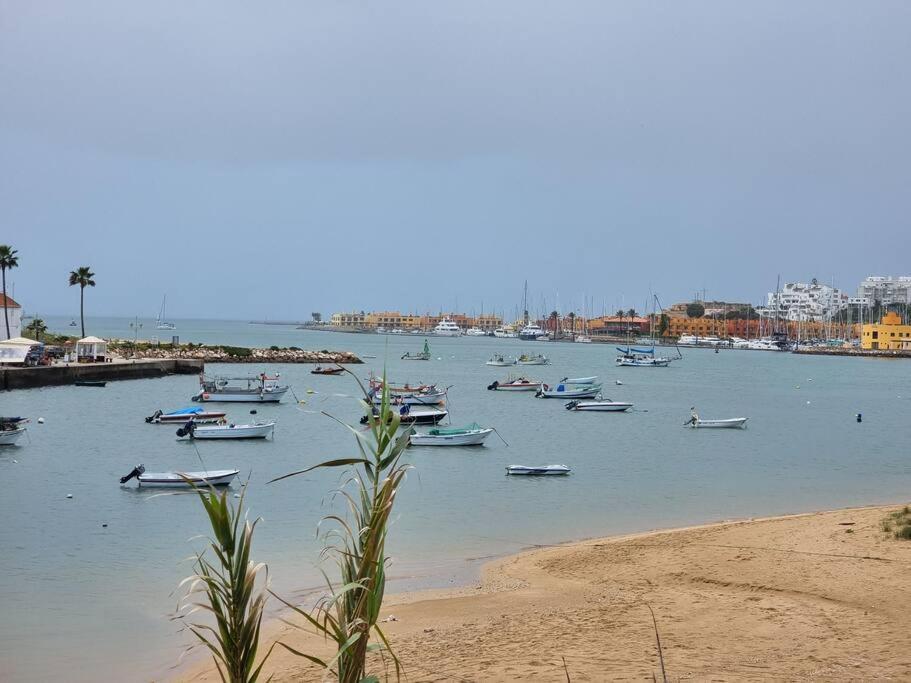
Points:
[(501, 361), (258, 430), (540, 470), (318, 370), (580, 380), (516, 384), (599, 405), (569, 391), (472, 435), (199, 415), (180, 479)]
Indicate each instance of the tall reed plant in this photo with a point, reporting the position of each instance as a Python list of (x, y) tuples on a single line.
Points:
[(228, 588), (348, 615)]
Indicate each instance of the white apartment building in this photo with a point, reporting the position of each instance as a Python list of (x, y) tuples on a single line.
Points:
[(805, 302), (886, 290)]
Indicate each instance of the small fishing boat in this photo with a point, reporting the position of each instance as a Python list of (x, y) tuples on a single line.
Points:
[(414, 414), (180, 479), (472, 435), (535, 359), (515, 384), (731, 423), (257, 430), (640, 358), (580, 380), (319, 370), (599, 405), (540, 470), (254, 389), (499, 360), (569, 391), (199, 415), (90, 382), (423, 355), (11, 429), (427, 397)]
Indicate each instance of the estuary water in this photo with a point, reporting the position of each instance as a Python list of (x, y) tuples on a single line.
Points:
[(78, 595)]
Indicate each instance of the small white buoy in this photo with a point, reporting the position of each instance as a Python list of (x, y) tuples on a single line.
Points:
[(797, 387), (809, 379), (808, 403), (41, 420), (69, 495), (15, 461)]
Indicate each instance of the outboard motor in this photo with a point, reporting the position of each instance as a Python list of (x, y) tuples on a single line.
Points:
[(139, 469), (492, 387), (571, 405), (154, 416), (187, 429), (405, 410)]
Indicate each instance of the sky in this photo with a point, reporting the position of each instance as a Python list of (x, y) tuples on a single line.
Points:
[(267, 160)]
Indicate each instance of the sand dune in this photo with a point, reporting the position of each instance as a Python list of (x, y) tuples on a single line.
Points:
[(819, 596)]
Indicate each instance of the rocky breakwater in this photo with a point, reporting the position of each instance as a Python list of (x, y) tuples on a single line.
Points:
[(237, 354)]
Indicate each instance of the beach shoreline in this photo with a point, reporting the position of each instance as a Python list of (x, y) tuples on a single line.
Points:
[(815, 594)]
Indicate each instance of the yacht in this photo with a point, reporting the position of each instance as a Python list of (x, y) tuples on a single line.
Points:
[(505, 332), (693, 340), (162, 323), (475, 332), (447, 328), (532, 332)]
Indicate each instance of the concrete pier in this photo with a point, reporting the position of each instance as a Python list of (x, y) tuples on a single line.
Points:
[(55, 375)]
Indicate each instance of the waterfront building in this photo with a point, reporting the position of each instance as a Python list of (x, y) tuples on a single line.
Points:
[(14, 311), (347, 319), (392, 320), (802, 301), (877, 289), (889, 334), (754, 328), (617, 326)]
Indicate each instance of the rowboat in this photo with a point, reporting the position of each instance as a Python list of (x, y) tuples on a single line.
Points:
[(516, 384), (536, 359), (180, 479), (501, 361), (732, 423), (472, 435), (569, 391), (540, 470), (414, 414), (199, 416), (252, 389), (598, 405), (318, 370), (259, 430), (580, 380), (90, 383)]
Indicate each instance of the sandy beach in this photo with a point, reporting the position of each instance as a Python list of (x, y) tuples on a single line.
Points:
[(814, 596)]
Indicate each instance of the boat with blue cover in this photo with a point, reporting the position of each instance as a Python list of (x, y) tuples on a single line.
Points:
[(198, 414)]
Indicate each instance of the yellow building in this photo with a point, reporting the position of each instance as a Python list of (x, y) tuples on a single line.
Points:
[(347, 319), (887, 335)]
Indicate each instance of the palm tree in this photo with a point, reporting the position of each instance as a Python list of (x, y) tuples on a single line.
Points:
[(37, 328), (554, 316), (8, 260), (82, 276), (620, 314), (572, 324)]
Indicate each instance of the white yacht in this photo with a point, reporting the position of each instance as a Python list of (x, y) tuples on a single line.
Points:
[(447, 328), (475, 332), (693, 340), (505, 332), (532, 332)]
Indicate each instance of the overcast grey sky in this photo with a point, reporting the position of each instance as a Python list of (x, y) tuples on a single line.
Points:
[(270, 159)]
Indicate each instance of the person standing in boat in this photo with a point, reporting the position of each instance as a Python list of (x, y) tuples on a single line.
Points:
[(694, 416)]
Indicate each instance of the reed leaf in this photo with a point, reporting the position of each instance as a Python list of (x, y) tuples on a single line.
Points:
[(356, 542)]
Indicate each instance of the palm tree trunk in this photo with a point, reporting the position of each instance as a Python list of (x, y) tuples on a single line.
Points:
[(82, 308), (5, 312)]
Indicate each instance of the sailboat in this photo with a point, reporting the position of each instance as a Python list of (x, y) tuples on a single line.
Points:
[(161, 323)]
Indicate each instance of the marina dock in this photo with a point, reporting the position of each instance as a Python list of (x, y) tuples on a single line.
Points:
[(62, 374)]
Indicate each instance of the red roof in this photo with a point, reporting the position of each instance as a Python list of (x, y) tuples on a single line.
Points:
[(9, 302)]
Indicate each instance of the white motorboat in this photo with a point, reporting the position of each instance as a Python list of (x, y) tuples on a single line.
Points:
[(180, 479), (569, 391), (252, 389), (500, 360), (447, 328), (258, 430), (531, 332), (533, 359), (731, 423), (198, 415), (540, 470), (505, 332), (580, 380), (582, 339), (472, 435), (9, 436), (598, 404), (414, 414), (427, 397), (516, 384), (475, 332)]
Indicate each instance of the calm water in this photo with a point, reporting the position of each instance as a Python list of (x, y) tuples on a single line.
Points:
[(75, 593)]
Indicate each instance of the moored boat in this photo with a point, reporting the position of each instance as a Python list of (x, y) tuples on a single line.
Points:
[(319, 370), (580, 380), (515, 384), (414, 414), (198, 415), (180, 479), (258, 430), (90, 383), (447, 328), (423, 355), (471, 435), (531, 332), (251, 389), (598, 405), (427, 397), (499, 360), (475, 332), (568, 391), (533, 359), (12, 429), (730, 423), (540, 470)]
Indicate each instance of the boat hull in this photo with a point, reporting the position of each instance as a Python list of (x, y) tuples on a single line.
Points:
[(733, 423), (579, 380), (530, 386), (431, 399), (589, 391), (541, 471), (9, 437), (472, 438), (207, 417), (262, 431), (174, 479), (242, 396), (598, 406)]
